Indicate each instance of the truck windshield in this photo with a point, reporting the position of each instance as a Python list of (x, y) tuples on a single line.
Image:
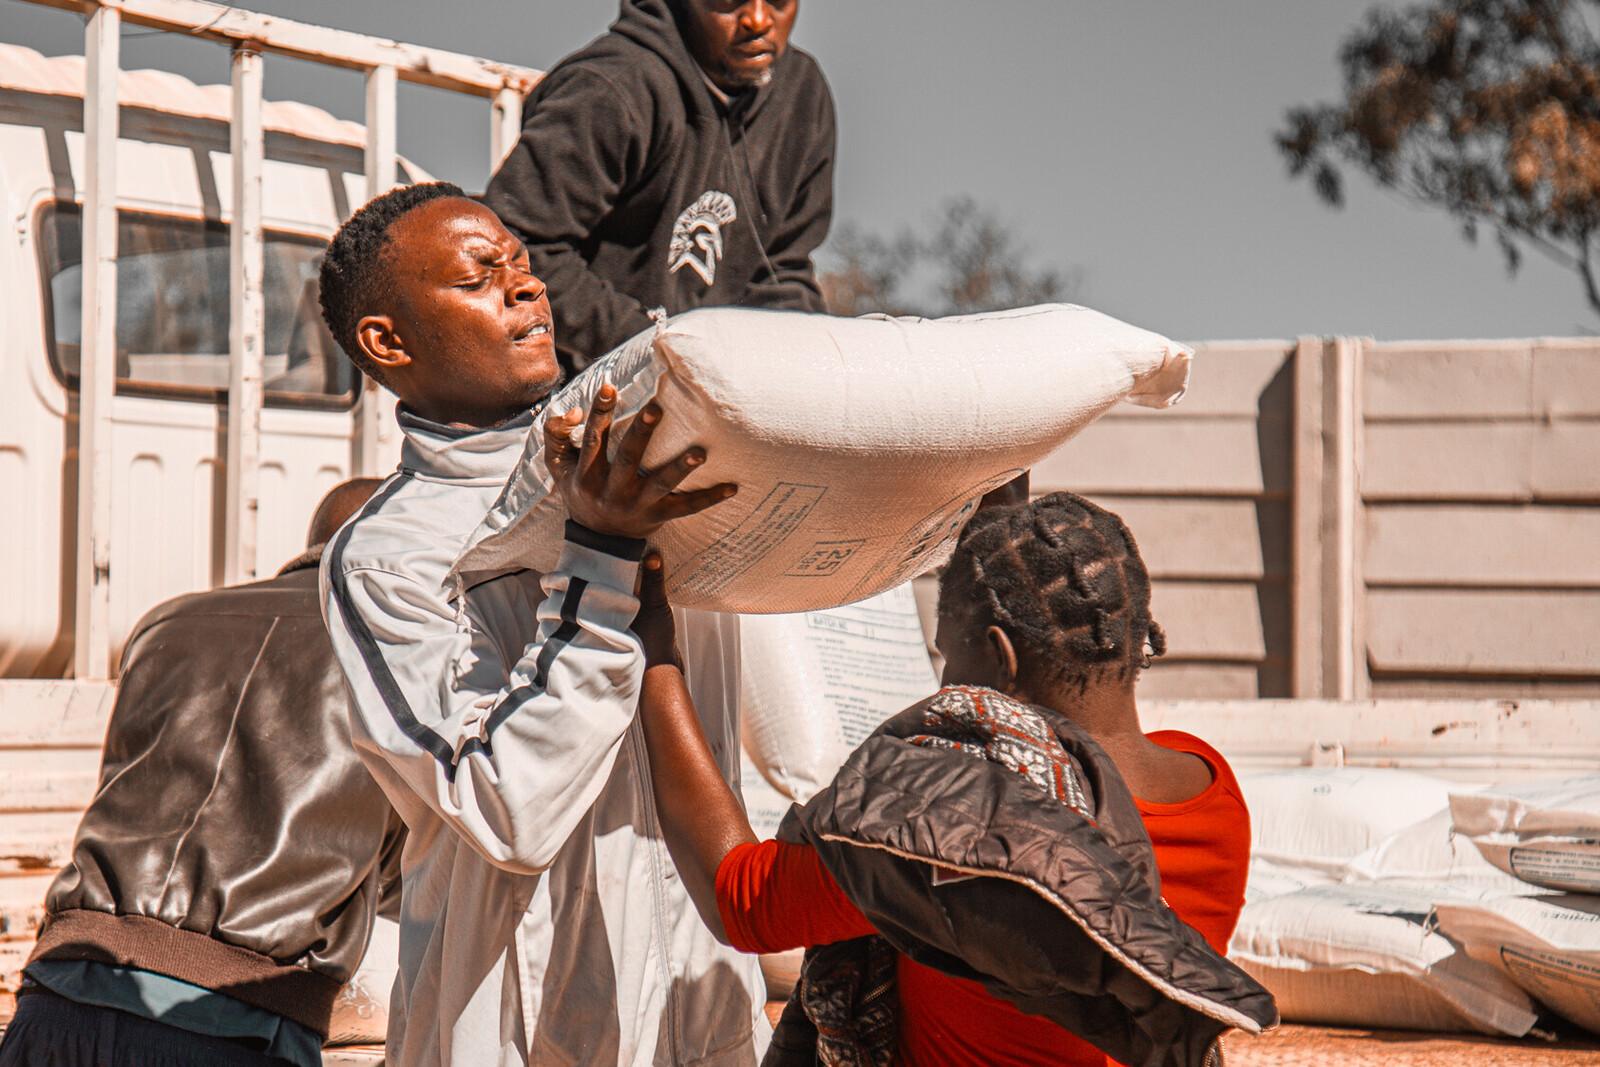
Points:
[(172, 310)]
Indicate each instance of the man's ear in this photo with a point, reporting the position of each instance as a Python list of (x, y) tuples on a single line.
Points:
[(377, 337), (1002, 654)]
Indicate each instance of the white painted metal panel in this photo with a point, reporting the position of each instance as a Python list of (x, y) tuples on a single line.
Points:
[(34, 714), (230, 25), (157, 177), (92, 570), (505, 126), (171, 533), (47, 779), (33, 842), (294, 196), (246, 323)]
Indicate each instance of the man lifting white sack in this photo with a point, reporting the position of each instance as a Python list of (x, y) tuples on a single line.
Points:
[(860, 445)]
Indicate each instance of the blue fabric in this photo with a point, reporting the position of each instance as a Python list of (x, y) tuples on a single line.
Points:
[(177, 1003)]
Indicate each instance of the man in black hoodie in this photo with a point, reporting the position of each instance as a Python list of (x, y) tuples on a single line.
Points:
[(683, 159)]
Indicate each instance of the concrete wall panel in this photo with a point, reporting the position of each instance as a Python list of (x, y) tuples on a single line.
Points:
[(1467, 545), (1475, 632)]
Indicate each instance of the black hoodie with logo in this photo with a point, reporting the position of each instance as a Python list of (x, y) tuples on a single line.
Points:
[(635, 187)]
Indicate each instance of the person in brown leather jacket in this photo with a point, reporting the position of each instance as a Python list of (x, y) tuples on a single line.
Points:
[(225, 878)]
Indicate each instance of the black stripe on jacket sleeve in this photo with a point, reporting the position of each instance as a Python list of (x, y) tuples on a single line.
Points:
[(377, 667), (560, 639), (389, 688)]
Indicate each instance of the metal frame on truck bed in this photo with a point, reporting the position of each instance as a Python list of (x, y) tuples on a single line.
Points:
[(246, 169)]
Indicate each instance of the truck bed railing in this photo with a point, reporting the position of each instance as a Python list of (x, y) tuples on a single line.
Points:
[(249, 35)]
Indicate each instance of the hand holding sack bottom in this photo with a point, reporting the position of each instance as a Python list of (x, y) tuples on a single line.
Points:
[(860, 446)]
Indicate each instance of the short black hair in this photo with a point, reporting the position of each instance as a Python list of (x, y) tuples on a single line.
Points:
[(1063, 578), (355, 271)]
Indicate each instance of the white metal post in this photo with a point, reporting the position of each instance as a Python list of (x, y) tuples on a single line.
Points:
[(381, 160), (246, 322), (97, 351), (505, 117)]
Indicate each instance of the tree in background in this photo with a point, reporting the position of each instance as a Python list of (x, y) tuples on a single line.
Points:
[(967, 262), (1489, 109)]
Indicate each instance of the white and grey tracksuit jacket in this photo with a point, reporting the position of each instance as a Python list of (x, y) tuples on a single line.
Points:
[(542, 919)]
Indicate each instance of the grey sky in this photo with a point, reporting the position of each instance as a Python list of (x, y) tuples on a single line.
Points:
[(1132, 140)]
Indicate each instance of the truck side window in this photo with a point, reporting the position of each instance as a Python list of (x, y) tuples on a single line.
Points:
[(172, 310)]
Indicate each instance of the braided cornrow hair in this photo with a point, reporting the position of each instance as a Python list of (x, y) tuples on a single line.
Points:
[(1063, 578)]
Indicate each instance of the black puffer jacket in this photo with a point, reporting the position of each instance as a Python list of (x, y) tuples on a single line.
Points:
[(1065, 919)]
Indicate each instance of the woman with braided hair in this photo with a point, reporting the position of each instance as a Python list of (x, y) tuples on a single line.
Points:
[(1044, 625), (1050, 601)]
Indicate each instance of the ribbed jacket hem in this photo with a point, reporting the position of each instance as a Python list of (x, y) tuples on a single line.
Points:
[(298, 994)]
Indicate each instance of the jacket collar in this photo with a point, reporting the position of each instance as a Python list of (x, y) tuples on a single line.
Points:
[(450, 453)]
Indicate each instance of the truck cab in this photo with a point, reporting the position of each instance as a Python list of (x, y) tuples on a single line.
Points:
[(172, 346)]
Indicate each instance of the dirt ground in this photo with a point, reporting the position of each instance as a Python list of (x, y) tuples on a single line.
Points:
[(1321, 1046), (1315, 1046)]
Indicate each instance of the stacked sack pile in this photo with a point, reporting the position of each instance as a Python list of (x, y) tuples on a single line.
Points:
[(1386, 898)]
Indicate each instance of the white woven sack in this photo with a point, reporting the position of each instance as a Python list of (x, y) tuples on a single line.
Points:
[(361, 1013), (1367, 955), (764, 806), (814, 685), (1548, 945), (1430, 850), (859, 445), (1545, 833), (1322, 818)]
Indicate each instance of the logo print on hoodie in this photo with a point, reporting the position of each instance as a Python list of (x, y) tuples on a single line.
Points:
[(697, 234)]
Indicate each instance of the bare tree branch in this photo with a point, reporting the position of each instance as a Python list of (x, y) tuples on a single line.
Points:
[(967, 257)]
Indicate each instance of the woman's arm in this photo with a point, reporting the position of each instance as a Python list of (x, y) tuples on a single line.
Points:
[(700, 816), (757, 897)]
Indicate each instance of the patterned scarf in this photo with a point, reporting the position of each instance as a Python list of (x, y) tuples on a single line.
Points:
[(989, 726)]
